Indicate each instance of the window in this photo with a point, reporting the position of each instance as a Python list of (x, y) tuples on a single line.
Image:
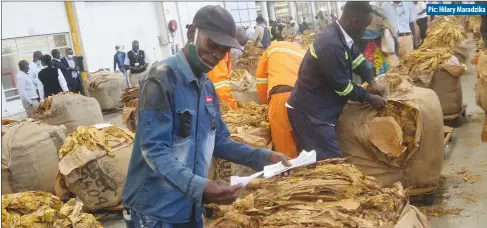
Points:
[(304, 10), (244, 13), (14, 50)]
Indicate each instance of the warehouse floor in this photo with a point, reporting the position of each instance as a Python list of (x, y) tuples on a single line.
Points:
[(462, 197)]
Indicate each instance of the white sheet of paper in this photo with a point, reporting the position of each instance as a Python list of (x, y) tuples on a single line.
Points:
[(102, 125), (234, 180), (304, 158)]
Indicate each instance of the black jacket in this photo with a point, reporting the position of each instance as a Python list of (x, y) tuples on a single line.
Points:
[(49, 78), (324, 82)]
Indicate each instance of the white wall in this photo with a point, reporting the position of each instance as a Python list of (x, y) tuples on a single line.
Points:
[(103, 25), (33, 18)]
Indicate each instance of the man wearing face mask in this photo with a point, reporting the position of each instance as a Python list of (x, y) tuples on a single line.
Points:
[(136, 61), (74, 69), (325, 84), (179, 130), (34, 67)]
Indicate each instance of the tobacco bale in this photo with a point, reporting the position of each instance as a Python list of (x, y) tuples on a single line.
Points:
[(418, 113), (30, 156), (331, 193), (99, 156), (130, 100), (106, 88), (69, 109)]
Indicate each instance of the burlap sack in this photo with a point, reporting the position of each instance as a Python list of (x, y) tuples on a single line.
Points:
[(30, 156), (95, 177), (461, 51), (481, 89), (420, 164), (446, 83), (411, 217), (71, 110), (106, 88)]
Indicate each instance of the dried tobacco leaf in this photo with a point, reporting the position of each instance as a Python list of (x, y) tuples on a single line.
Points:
[(331, 193)]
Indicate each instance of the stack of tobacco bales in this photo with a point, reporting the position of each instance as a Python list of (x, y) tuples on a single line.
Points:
[(439, 70), (446, 32), (403, 142), (69, 109), (42, 209), (331, 193), (130, 100), (94, 154), (106, 87)]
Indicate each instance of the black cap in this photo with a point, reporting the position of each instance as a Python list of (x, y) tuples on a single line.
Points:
[(219, 24)]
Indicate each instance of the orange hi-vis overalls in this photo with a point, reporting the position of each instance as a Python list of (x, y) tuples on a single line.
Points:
[(279, 65), (221, 81)]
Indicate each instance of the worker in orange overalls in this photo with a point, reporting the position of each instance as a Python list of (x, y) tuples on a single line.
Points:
[(276, 74), (219, 74)]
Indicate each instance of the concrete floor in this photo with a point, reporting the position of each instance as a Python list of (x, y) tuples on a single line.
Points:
[(465, 165), (464, 185)]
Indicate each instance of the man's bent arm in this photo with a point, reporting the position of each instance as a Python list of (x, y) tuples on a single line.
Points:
[(226, 148)]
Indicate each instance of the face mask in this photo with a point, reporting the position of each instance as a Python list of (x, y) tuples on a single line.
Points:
[(70, 56), (38, 62), (194, 59)]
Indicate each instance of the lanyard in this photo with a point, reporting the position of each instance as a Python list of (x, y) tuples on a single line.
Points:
[(136, 56)]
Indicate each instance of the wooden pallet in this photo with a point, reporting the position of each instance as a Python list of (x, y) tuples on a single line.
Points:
[(110, 111), (450, 120), (424, 196)]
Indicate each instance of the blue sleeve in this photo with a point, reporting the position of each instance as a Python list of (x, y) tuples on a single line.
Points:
[(334, 65), (154, 129), (361, 66), (226, 148)]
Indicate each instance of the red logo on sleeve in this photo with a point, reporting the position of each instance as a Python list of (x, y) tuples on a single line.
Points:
[(209, 99)]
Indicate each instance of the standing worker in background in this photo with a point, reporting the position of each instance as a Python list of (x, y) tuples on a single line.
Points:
[(261, 36), (35, 67), (422, 20), (51, 79), (75, 66), (136, 61), (219, 74), (403, 15), (277, 73), (242, 39), (26, 88), (118, 59), (324, 82), (63, 66), (180, 128)]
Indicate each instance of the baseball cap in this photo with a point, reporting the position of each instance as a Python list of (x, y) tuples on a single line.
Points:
[(219, 25)]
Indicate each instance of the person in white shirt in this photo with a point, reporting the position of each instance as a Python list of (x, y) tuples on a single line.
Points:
[(51, 80), (26, 88), (35, 66), (259, 34), (422, 20), (402, 15)]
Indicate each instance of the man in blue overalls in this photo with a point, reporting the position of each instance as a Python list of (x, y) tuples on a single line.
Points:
[(180, 128), (324, 82)]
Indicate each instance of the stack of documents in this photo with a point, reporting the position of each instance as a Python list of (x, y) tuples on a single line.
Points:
[(304, 158)]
